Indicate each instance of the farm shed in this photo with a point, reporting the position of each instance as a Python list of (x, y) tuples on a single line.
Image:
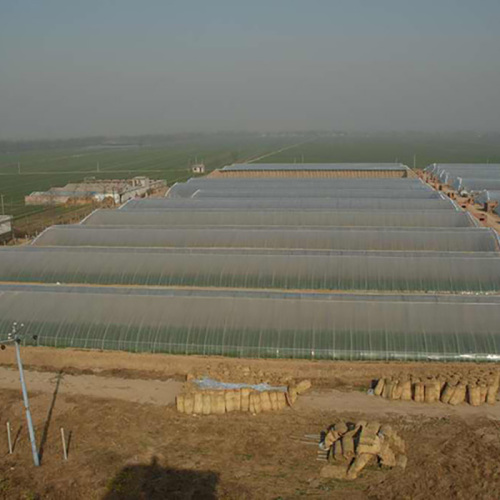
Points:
[(239, 268), (265, 218), (337, 238), (258, 324)]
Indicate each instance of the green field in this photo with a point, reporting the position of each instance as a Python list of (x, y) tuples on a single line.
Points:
[(424, 149), (47, 165)]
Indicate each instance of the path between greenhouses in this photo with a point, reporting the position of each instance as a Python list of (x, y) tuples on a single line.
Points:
[(163, 392)]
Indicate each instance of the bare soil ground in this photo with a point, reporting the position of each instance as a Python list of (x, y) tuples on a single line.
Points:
[(124, 445)]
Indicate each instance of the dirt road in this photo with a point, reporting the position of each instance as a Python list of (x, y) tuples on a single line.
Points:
[(156, 392)]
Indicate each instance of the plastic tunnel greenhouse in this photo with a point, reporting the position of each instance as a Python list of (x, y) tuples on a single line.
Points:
[(263, 218), (382, 271), (435, 239), (442, 203), (351, 327)]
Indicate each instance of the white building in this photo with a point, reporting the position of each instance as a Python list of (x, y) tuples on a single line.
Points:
[(5, 227)]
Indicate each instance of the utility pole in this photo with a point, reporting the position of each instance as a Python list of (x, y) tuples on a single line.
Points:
[(15, 338)]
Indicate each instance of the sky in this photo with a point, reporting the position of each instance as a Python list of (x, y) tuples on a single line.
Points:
[(100, 67)]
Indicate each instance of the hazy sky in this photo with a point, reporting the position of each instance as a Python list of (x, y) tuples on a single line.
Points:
[(90, 67)]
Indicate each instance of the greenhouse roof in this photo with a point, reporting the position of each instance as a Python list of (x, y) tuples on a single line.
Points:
[(383, 271), (487, 196), (317, 188), (476, 184), (438, 167), (316, 218), (465, 239), (241, 324), (314, 166), (292, 203)]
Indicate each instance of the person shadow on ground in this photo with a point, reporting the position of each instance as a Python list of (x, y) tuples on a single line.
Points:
[(152, 482)]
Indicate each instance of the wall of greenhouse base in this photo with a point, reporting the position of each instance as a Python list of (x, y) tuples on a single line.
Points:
[(232, 324), (266, 218), (398, 239), (443, 203), (273, 269), (314, 166)]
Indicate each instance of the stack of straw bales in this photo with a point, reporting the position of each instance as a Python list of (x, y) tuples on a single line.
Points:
[(218, 402), (355, 445), (449, 390)]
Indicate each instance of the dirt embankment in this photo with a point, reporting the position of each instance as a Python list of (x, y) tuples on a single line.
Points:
[(323, 374)]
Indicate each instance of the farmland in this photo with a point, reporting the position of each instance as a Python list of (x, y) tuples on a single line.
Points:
[(427, 149), (37, 170)]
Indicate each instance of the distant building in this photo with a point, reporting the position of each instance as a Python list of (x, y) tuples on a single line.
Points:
[(198, 168), (5, 227), (93, 190)]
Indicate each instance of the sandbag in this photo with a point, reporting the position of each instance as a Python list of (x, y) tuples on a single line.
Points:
[(207, 404), (265, 401), (379, 387), (473, 395), (188, 403), (330, 438), (458, 395), (179, 402), (406, 391), (419, 392), (397, 390), (359, 463), (218, 402), (281, 397), (387, 391), (483, 391), (491, 395), (348, 444), (257, 405), (369, 441), (341, 428), (273, 397), (245, 399), (198, 403), (337, 450), (430, 393), (303, 386), (292, 394), (448, 391), (333, 472), (386, 456)]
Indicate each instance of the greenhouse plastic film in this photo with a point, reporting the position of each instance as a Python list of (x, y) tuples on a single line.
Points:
[(383, 271), (467, 239), (356, 328), (287, 203), (316, 218)]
